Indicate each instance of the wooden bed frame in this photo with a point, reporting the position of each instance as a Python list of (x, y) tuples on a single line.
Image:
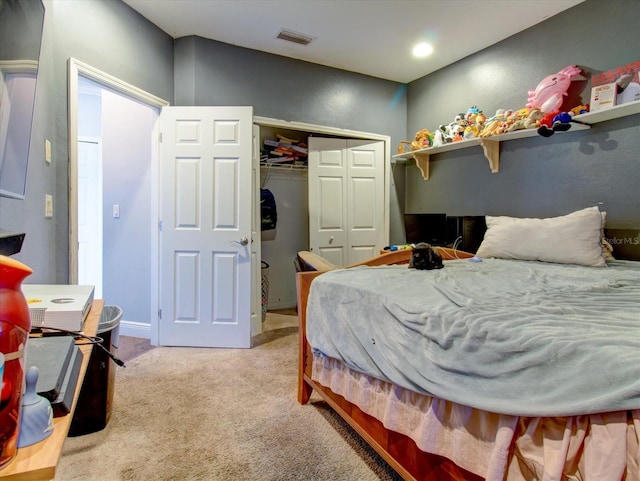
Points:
[(398, 450)]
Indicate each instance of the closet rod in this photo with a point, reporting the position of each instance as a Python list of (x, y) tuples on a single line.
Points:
[(283, 166)]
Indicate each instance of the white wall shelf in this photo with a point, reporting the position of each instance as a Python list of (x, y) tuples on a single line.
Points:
[(491, 145), (590, 118)]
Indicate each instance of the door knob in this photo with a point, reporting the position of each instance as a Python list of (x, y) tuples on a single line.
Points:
[(243, 241)]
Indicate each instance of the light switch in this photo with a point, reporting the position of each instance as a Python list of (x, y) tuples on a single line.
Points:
[(47, 151), (116, 211), (48, 206)]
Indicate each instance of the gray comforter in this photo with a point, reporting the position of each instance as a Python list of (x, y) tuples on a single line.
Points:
[(512, 337)]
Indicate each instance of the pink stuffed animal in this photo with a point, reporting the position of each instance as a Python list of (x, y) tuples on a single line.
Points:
[(548, 94)]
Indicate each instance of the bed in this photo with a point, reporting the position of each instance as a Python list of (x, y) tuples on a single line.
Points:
[(525, 366)]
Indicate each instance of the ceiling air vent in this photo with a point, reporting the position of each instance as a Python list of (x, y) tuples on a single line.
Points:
[(294, 37)]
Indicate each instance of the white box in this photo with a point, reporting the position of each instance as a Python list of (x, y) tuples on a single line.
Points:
[(603, 96), (60, 306)]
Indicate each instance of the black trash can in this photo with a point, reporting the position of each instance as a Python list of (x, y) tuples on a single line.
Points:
[(93, 408)]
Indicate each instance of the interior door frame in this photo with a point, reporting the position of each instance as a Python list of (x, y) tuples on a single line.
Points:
[(77, 68), (338, 132)]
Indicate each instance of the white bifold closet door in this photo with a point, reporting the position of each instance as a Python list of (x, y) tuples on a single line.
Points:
[(347, 199)]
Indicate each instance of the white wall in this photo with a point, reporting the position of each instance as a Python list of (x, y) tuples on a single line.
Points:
[(126, 134)]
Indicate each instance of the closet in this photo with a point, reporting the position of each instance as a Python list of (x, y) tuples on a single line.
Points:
[(292, 188), (346, 199)]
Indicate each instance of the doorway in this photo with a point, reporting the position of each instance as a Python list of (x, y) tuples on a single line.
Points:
[(120, 122)]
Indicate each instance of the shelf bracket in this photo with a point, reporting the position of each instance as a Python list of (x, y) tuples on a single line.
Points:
[(422, 162), (491, 150)]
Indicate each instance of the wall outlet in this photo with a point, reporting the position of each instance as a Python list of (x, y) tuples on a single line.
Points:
[(47, 151), (48, 206)]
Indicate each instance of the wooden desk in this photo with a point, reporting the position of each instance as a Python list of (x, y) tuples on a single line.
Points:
[(38, 462)]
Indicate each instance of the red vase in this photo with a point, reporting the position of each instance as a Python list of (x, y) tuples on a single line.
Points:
[(15, 324)]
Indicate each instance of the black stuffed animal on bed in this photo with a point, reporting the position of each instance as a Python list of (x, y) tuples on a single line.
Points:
[(425, 257)]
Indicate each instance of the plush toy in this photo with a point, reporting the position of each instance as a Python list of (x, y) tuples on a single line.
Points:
[(481, 119), (472, 113), (554, 122), (493, 124), (531, 120), (423, 139), (580, 109), (457, 133), (441, 136), (549, 93), (452, 128), (456, 128), (474, 119)]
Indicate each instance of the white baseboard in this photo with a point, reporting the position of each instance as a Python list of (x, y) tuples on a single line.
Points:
[(135, 329)]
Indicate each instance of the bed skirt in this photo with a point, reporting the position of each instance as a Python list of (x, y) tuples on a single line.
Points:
[(497, 447)]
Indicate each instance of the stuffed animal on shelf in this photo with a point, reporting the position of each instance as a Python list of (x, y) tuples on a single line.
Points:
[(493, 125), (472, 113), (422, 140), (550, 92), (580, 109), (475, 122), (456, 128), (530, 121), (441, 136), (554, 122)]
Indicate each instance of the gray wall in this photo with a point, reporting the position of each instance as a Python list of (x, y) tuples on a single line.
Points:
[(538, 176), (110, 36), (214, 73)]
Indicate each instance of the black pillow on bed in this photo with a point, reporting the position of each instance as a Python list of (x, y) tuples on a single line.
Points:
[(426, 257)]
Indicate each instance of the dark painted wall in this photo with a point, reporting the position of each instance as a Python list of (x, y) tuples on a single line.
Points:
[(214, 73), (110, 36), (538, 176)]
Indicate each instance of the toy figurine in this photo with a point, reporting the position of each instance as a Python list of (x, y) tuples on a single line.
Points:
[(580, 109), (441, 136), (529, 121), (554, 122), (422, 140), (549, 93), (494, 125)]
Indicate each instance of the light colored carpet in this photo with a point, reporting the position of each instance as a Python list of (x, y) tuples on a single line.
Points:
[(220, 414)]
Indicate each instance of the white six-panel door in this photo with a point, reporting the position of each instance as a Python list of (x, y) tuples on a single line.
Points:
[(327, 199), (346, 199), (205, 238)]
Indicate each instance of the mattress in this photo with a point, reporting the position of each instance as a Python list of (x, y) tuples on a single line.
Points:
[(505, 336)]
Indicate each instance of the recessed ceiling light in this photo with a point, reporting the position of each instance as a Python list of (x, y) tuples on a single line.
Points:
[(422, 50)]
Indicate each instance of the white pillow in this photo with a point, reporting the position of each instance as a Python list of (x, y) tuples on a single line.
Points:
[(569, 239)]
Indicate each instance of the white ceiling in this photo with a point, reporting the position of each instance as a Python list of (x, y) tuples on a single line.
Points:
[(372, 37)]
